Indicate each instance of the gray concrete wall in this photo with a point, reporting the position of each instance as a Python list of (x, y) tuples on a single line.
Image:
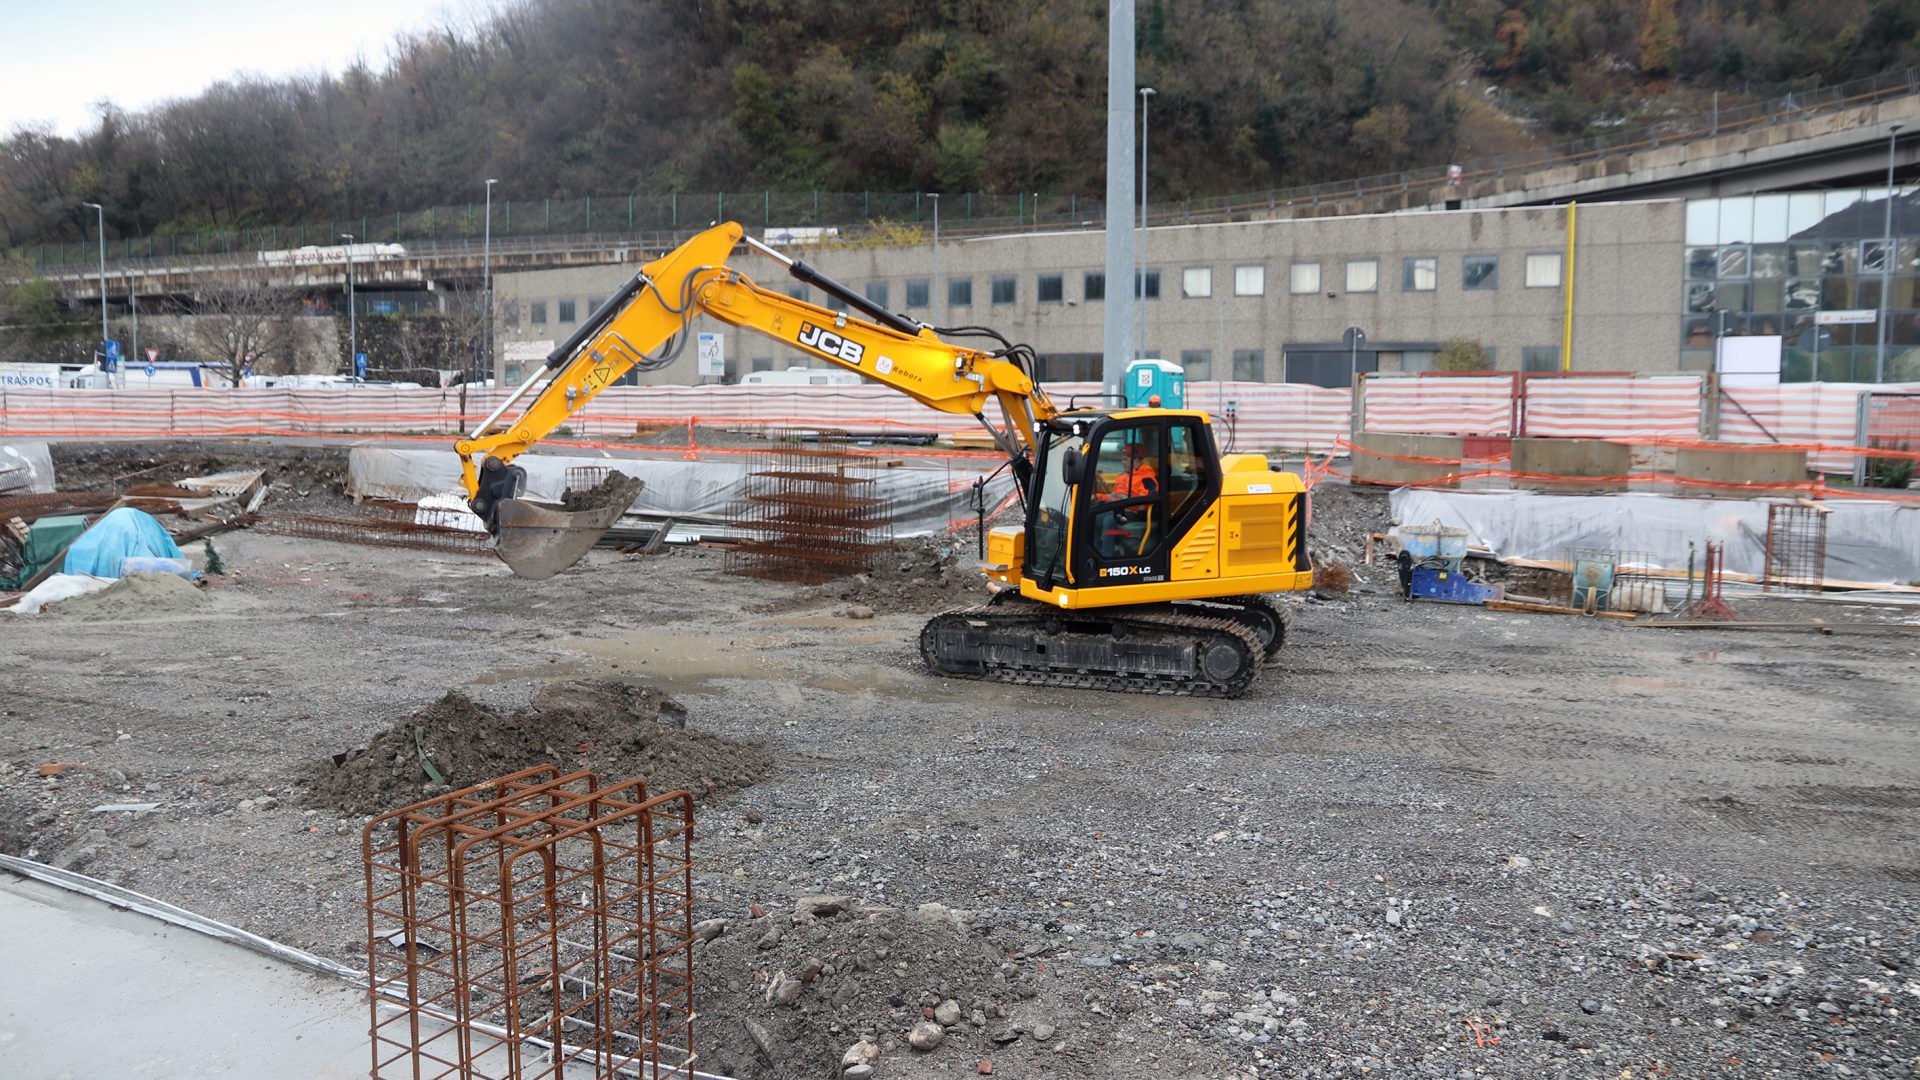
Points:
[(1729, 471), (1572, 457), (1627, 288), (1368, 469)]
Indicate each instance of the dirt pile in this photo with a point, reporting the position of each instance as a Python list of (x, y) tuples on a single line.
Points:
[(1343, 515), (925, 573), (797, 989), (619, 730), (618, 489), (136, 596)]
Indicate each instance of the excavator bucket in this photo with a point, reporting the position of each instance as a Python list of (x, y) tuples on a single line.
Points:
[(538, 540)]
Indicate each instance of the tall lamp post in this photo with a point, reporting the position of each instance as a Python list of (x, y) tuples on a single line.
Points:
[(486, 263), (1140, 276), (100, 215), (937, 299), (353, 325), (1886, 264)]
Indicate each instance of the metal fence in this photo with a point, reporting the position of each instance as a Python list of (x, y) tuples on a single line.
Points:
[(594, 222)]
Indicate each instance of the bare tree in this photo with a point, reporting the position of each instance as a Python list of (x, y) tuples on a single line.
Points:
[(248, 318)]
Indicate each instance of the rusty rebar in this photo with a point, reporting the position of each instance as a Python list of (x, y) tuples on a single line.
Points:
[(538, 925)]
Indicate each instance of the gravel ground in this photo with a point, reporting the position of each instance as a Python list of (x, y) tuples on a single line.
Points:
[(1431, 841)]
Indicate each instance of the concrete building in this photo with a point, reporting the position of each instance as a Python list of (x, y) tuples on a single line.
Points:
[(1266, 301)]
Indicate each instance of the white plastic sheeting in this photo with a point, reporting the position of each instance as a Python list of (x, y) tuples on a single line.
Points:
[(922, 500), (1867, 541), (26, 468), (56, 588)]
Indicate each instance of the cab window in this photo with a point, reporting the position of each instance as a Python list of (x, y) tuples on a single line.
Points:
[(1129, 497)]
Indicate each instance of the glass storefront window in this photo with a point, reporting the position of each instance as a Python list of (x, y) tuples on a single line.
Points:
[(1736, 220), (1769, 219), (1700, 296), (1703, 223), (1804, 211), (1702, 262), (1770, 261), (1733, 261)]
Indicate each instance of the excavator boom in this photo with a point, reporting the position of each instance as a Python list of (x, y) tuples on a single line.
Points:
[(644, 326)]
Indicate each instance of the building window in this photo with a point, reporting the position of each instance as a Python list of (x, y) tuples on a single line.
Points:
[(1051, 288), (1070, 367), (1197, 363), (877, 292), (1249, 281), (1540, 358), (1196, 282), (800, 293), (1250, 365), (1093, 285), (1363, 275), (1303, 278), (1006, 288), (960, 292), (593, 304), (1480, 272), (567, 313), (1543, 271), (763, 363), (919, 293), (1420, 274), (1147, 285), (537, 312)]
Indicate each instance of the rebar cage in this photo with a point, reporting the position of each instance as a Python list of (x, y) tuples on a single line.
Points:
[(1796, 548), (538, 925), (809, 513)]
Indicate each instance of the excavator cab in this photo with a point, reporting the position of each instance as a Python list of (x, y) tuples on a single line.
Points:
[(1116, 494)]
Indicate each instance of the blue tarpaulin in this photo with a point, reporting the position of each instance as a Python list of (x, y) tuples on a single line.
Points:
[(121, 533)]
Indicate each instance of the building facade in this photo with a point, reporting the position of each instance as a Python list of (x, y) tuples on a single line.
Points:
[(1260, 301)]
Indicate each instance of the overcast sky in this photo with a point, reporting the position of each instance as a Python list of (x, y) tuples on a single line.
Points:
[(59, 57)]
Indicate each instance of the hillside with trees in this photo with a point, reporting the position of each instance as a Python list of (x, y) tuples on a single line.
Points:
[(562, 98)]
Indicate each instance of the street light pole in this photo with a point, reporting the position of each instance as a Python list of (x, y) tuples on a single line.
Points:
[(936, 299), (353, 326), (1886, 264), (486, 262), (100, 214), (1140, 277)]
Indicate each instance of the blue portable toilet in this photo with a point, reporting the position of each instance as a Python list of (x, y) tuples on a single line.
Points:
[(1147, 379)]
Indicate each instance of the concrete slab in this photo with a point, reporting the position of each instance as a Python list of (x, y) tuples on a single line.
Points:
[(1382, 458), (1737, 469), (97, 991), (1597, 458)]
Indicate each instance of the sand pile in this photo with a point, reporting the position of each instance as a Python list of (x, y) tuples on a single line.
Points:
[(619, 730), (136, 596)]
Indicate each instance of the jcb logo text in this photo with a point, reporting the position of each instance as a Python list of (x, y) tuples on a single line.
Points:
[(831, 343)]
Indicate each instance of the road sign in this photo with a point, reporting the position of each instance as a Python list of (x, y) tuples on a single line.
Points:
[(152, 355), (360, 365), (1846, 318), (713, 355), (150, 370), (113, 356)]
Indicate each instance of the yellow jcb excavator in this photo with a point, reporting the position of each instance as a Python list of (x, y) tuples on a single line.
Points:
[(1144, 554)]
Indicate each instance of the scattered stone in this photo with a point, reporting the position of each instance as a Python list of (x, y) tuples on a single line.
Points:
[(761, 1039), (820, 907), (707, 929), (1042, 1032), (863, 1053), (925, 1035), (1589, 1006), (947, 1013), (985, 1068), (859, 611)]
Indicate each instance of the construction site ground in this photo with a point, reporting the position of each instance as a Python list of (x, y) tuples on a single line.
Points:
[(1430, 841)]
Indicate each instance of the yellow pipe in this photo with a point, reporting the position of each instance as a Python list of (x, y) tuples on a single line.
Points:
[(1566, 322)]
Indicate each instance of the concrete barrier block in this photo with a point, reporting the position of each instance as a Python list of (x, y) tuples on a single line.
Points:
[(1736, 470), (1606, 463), (1378, 461)]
